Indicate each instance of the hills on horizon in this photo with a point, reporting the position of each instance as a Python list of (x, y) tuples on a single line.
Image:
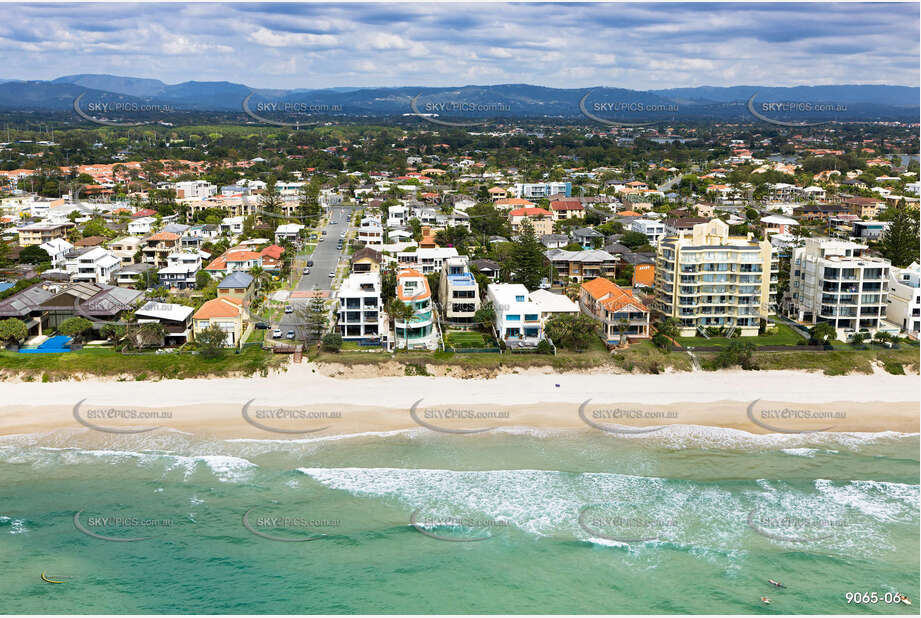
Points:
[(852, 102)]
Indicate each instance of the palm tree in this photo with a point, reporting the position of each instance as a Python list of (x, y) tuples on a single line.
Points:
[(259, 276), (399, 311), (622, 325)]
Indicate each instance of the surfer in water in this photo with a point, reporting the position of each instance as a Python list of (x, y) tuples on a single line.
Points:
[(778, 584), (765, 600)]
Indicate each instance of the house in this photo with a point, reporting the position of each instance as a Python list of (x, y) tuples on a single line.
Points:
[(130, 275), (904, 308), (360, 312), (94, 265), (225, 312), (175, 319), (156, 248), (486, 267), (778, 224), (125, 248), (233, 225), (709, 279), (567, 209), (554, 241), (541, 220), (419, 331), (237, 285), (241, 259), (864, 207), (653, 230), (56, 249), (577, 266), (680, 224), (428, 260), (871, 230), (142, 225), (458, 292), (40, 233), (371, 232), (587, 237), (289, 232), (497, 193), (551, 304), (89, 241), (517, 316), (180, 270), (619, 311), (366, 260), (538, 190), (60, 302), (833, 281)]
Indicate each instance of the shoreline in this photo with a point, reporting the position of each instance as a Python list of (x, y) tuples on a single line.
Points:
[(303, 403)]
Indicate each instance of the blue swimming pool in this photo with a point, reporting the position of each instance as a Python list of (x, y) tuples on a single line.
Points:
[(52, 345)]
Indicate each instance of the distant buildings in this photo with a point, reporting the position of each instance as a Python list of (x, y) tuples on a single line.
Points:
[(540, 190), (709, 279), (832, 281)]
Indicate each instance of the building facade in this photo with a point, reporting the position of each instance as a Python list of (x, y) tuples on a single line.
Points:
[(458, 292)]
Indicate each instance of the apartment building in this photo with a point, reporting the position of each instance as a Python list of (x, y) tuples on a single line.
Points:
[(458, 292), (541, 220), (156, 248), (360, 314), (709, 279), (371, 232), (578, 266), (904, 309), (517, 316), (40, 233), (419, 331), (538, 190), (833, 281), (57, 250), (567, 209), (622, 315)]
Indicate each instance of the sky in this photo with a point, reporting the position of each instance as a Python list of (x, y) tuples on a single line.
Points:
[(637, 46)]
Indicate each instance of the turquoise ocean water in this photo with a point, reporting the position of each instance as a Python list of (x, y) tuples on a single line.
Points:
[(684, 520)]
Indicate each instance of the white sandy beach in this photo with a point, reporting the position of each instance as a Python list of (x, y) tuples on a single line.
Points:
[(870, 403)]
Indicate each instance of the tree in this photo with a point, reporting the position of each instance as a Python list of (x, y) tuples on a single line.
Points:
[(633, 240), (668, 327), (332, 342), (899, 243), (113, 333), (148, 334), (315, 318), (75, 328), (33, 254), (399, 311), (485, 316), (211, 341), (528, 258), (13, 330), (739, 353), (270, 202), (202, 279), (822, 333), (571, 330), (661, 341)]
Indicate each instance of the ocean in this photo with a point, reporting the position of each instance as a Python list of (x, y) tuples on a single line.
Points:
[(683, 520)]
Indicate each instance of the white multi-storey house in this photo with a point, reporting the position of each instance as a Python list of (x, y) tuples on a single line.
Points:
[(904, 308), (427, 260), (371, 232), (458, 292), (517, 316), (94, 265), (181, 269), (360, 314), (419, 331)]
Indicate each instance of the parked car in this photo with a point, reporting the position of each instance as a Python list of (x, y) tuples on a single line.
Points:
[(309, 262), (276, 333), (290, 334), (261, 325), (332, 274), (307, 270), (289, 309)]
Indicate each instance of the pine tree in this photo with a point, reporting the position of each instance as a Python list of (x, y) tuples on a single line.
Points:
[(528, 258), (899, 243)]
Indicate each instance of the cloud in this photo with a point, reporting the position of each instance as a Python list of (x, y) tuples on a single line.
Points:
[(567, 45)]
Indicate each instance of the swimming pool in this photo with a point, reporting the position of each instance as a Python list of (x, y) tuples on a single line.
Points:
[(52, 345)]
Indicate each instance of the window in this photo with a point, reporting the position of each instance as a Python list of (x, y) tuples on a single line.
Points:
[(519, 299)]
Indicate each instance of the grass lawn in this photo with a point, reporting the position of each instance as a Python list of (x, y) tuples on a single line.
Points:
[(108, 362), (783, 335), (258, 334), (466, 339)]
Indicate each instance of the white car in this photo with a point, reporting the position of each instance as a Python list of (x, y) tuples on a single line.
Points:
[(331, 274), (289, 309), (276, 333)]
